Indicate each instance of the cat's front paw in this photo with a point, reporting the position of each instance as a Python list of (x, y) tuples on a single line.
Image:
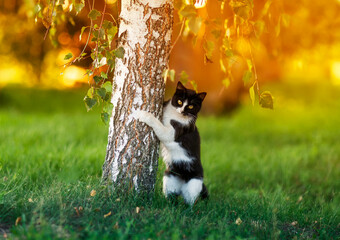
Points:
[(142, 116)]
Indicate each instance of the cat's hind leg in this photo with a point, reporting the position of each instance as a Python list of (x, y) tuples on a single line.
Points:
[(172, 185), (191, 190)]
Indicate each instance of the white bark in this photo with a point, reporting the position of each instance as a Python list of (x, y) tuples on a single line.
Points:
[(145, 33)]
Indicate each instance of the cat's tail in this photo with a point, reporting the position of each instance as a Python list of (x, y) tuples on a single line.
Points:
[(204, 193)]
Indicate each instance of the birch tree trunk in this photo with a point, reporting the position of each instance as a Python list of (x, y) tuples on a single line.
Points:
[(145, 33)]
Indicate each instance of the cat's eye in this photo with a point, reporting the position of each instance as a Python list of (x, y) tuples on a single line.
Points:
[(190, 106), (179, 102)]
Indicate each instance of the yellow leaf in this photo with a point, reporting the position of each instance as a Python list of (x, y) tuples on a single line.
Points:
[(30, 200), (108, 214), (17, 221), (137, 210), (238, 221), (252, 93), (93, 193)]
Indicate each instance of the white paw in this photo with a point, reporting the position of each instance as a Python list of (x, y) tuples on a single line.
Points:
[(141, 115)]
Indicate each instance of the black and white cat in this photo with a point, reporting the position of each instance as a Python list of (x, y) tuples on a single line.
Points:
[(180, 144)]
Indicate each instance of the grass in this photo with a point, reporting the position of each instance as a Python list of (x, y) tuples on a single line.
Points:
[(277, 171)]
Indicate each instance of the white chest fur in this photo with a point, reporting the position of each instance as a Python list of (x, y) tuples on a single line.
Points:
[(172, 151)]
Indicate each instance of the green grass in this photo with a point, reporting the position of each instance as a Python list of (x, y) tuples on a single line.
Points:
[(278, 171)]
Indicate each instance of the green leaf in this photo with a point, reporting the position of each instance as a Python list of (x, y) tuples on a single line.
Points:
[(90, 103), (107, 24), (119, 52), (266, 100), (242, 8), (101, 92), (216, 33), (105, 117), (226, 82), (247, 76), (68, 56), (111, 33), (183, 77), (97, 79), (188, 11), (101, 33), (37, 8), (194, 85), (222, 66), (108, 86), (208, 47), (103, 75), (59, 8), (195, 24), (81, 32), (78, 7), (250, 64), (107, 97), (252, 93), (90, 92), (94, 14), (108, 107), (229, 53), (259, 28), (171, 74), (285, 19)]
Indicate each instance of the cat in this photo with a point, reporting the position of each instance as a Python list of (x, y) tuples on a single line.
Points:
[(180, 144)]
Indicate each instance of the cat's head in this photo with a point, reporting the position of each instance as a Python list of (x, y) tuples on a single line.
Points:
[(187, 101)]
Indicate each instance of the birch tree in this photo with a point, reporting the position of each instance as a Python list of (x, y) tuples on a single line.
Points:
[(145, 33)]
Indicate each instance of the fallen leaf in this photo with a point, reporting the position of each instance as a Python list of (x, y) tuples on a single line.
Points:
[(116, 226), (238, 221), (30, 200), (118, 200), (76, 209), (300, 199), (80, 209), (97, 209), (93, 193), (137, 209), (108, 214), (294, 223), (159, 233), (17, 221)]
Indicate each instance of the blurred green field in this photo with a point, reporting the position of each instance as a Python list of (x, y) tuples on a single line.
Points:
[(276, 171)]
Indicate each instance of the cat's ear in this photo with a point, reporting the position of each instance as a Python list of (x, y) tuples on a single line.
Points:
[(201, 95), (180, 86)]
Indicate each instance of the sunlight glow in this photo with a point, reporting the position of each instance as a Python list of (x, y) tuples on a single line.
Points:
[(200, 3), (73, 75), (335, 72), (111, 1)]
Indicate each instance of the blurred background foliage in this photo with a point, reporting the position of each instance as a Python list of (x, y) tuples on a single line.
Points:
[(291, 41)]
